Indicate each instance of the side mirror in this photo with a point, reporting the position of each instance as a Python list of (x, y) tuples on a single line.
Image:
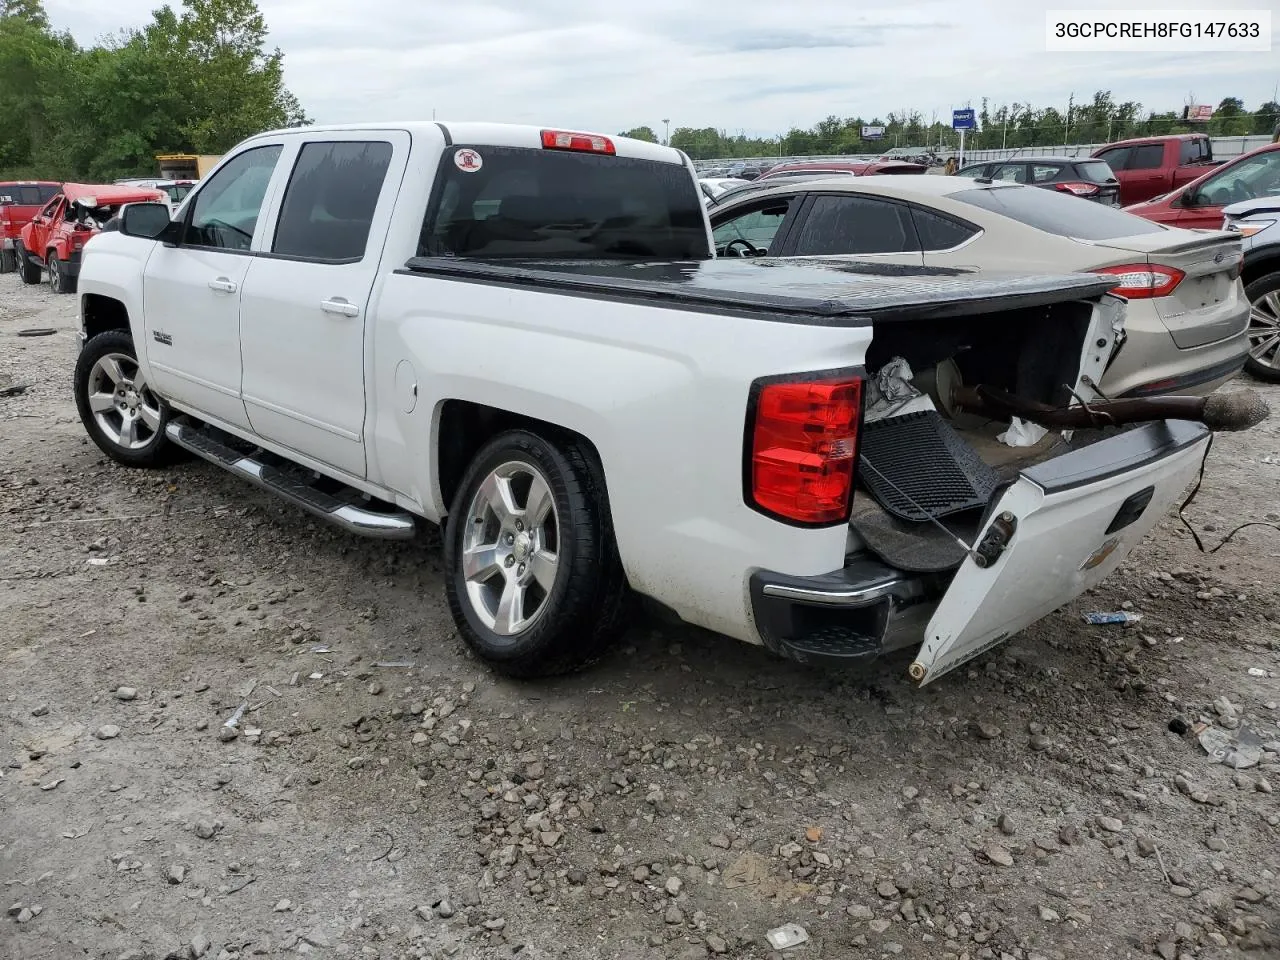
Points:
[(148, 221)]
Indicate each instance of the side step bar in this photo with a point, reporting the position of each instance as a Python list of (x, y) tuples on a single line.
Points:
[(393, 525)]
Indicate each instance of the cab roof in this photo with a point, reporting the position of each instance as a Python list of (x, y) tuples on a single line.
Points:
[(110, 193), (479, 134)]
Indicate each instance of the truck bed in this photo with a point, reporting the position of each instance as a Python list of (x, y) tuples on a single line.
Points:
[(830, 292)]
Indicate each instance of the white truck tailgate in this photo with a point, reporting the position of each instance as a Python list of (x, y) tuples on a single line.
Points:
[(1061, 527)]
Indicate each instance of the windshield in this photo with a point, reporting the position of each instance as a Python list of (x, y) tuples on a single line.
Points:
[(513, 202), (177, 191), (26, 194), (1246, 179), (1057, 213), (1095, 171)]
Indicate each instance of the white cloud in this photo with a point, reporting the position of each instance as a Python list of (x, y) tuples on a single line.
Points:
[(759, 66)]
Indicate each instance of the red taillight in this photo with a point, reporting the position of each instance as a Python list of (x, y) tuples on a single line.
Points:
[(1079, 189), (1141, 281), (584, 142), (804, 447)]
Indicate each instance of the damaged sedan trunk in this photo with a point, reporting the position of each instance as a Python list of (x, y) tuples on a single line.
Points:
[(994, 483)]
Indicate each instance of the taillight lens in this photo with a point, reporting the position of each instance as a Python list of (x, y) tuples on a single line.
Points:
[(1141, 281), (804, 448), (1079, 189), (583, 142)]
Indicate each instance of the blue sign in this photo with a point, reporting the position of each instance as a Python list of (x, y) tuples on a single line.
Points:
[(963, 120)]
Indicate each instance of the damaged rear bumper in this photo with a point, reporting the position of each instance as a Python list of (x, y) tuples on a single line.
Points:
[(849, 615), (1058, 530)]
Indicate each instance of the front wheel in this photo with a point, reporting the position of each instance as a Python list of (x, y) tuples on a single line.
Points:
[(534, 580), (59, 281), (1264, 328), (117, 407), (31, 271)]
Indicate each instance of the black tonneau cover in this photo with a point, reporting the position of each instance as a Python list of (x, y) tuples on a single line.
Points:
[(834, 292)]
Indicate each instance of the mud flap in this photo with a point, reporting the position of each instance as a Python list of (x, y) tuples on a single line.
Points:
[(1060, 528)]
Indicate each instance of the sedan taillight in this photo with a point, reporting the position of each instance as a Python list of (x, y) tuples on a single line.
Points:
[(1079, 189), (1142, 281)]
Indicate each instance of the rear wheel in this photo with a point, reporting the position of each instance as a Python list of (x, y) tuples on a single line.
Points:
[(31, 270), (534, 580), (8, 262), (1264, 328), (117, 407)]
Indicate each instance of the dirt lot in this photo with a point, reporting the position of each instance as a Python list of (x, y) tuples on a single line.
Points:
[(388, 797)]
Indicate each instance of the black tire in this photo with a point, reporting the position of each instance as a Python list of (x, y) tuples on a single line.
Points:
[(59, 282), (32, 272), (158, 451), (1254, 293), (8, 261), (584, 610)]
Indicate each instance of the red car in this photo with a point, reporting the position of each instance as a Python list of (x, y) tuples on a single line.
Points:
[(20, 200), (1198, 205), (55, 236), (1151, 166), (856, 168)]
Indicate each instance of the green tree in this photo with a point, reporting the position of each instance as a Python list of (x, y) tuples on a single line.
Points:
[(640, 133), (30, 11), (1265, 119), (199, 79)]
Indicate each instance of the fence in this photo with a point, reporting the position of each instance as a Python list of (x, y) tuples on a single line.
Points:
[(1224, 148)]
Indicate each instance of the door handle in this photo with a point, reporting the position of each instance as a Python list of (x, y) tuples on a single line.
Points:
[(340, 306), (223, 285)]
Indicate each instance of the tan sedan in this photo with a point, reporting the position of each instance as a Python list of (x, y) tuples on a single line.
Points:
[(1187, 315)]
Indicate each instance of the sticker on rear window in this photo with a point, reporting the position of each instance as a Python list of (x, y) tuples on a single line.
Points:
[(467, 160)]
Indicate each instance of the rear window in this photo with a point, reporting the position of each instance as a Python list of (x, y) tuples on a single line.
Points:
[(1149, 156), (1095, 171), (518, 202), (26, 195), (1057, 213)]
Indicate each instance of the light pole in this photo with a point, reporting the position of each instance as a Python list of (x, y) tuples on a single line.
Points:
[(1004, 140), (666, 142)]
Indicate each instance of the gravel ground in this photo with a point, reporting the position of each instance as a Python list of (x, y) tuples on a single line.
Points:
[(388, 797)]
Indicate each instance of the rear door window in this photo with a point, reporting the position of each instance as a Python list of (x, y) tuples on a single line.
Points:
[(940, 232), (1045, 172), (329, 202), (852, 224), (1149, 156), (1116, 158), (519, 202), (1057, 213), (1011, 173)]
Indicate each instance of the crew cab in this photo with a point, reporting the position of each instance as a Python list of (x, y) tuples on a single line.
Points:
[(522, 334), (1150, 166), (54, 239), (20, 200)]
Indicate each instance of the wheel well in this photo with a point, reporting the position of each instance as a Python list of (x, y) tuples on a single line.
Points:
[(465, 427), (1253, 269), (102, 314)]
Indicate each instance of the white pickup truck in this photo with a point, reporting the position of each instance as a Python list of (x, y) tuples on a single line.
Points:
[(522, 334)]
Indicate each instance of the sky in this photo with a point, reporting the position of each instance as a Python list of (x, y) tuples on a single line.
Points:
[(755, 66)]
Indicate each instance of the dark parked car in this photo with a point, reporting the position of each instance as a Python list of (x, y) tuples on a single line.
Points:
[(1087, 178)]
